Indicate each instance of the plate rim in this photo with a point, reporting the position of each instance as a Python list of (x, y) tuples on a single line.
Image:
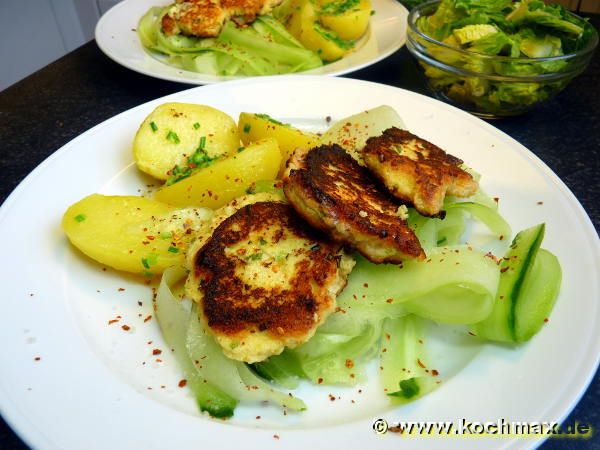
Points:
[(202, 80), (564, 404)]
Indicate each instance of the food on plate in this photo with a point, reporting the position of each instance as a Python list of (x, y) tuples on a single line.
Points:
[(254, 127), (263, 47), (265, 280), (417, 171), (205, 18), (225, 179), (520, 33), (179, 137), (274, 292), (330, 28), (133, 234), (333, 193)]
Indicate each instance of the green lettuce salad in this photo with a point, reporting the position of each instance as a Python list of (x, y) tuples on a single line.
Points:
[(527, 30), (264, 48)]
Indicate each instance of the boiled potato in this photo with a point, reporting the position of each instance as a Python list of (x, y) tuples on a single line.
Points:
[(304, 26), (349, 19), (133, 234), (173, 132), (225, 179), (254, 127)]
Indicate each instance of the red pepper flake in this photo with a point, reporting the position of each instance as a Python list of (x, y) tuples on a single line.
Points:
[(352, 401), (349, 363), (501, 237), (148, 318), (110, 322), (150, 238), (121, 289), (182, 383), (257, 417), (420, 341), (496, 199), (149, 342), (140, 303), (366, 285), (31, 295), (158, 360), (504, 269), (360, 391), (420, 363), (472, 334), (434, 372), (37, 358), (546, 320), (384, 350), (320, 381), (331, 398), (389, 300), (275, 436), (126, 327), (156, 351), (540, 203)]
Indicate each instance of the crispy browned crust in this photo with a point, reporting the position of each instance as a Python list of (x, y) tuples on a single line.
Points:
[(206, 18), (416, 171), (330, 190), (231, 306)]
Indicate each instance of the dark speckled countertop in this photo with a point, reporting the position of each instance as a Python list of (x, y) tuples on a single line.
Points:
[(49, 108)]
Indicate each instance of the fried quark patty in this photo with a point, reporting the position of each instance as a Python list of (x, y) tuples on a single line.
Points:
[(329, 189), (417, 171), (265, 280)]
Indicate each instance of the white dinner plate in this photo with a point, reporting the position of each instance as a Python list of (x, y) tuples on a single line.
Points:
[(69, 380), (116, 37)]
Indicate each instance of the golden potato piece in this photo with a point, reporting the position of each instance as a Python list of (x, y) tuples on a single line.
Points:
[(133, 234), (173, 132), (254, 127), (305, 27), (225, 179), (349, 19)]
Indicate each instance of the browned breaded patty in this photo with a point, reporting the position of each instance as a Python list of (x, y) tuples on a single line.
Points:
[(417, 171), (335, 194), (266, 280), (206, 18)]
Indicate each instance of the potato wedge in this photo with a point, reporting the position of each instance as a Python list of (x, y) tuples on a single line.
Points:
[(133, 234), (254, 127), (173, 131), (349, 19), (306, 28), (226, 179)]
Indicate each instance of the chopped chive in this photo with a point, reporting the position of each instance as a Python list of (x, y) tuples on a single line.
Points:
[(255, 257), (247, 128), (80, 217), (154, 127), (196, 126), (241, 149), (372, 12), (262, 241), (148, 274), (145, 263), (173, 250), (202, 143), (172, 136)]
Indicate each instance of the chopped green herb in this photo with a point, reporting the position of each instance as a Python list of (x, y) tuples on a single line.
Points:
[(331, 36), (150, 260), (339, 7), (202, 143), (199, 160), (196, 126), (270, 119), (154, 127), (145, 263), (173, 250), (165, 234), (241, 149), (172, 136), (372, 12), (408, 389), (147, 274), (247, 128), (80, 217), (262, 241), (255, 257)]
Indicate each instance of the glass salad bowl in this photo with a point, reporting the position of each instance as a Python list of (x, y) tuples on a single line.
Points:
[(494, 85)]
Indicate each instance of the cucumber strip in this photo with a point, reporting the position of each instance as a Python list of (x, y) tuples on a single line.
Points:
[(173, 319), (454, 285), (515, 268), (284, 369), (489, 216), (338, 359), (538, 295), (231, 376), (404, 365)]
